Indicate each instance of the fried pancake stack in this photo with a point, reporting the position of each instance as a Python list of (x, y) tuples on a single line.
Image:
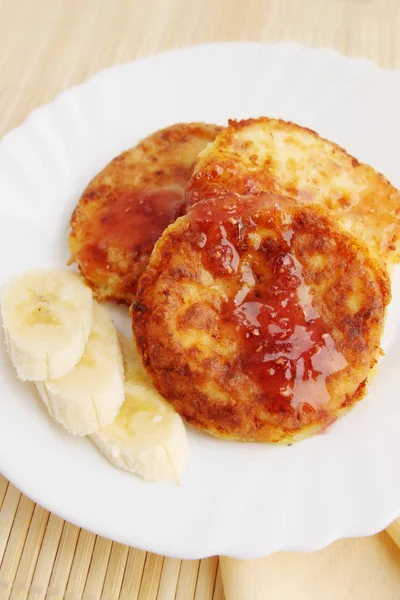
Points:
[(261, 308)]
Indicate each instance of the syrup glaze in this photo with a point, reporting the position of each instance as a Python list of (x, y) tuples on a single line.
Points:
[(130, 221), (285, 346)]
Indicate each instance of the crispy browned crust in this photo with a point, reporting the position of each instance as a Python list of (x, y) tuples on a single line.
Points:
[(110, 257), (265, 154), (195, 359)]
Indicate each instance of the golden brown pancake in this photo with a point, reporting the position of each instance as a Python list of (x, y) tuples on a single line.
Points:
[(259, 318), (271, 155), (126, 207)]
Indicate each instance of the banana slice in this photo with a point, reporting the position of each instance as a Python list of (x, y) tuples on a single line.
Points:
[(147, 437), (89, 397), (47, 319), (133, 367)]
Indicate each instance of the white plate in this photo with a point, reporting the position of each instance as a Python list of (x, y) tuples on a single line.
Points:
[(238, 500)]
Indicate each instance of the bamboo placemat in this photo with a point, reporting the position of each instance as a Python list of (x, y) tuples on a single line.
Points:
[(46, 46)]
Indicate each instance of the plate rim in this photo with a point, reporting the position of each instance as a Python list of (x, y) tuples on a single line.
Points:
[(193, 47), (142, 544)]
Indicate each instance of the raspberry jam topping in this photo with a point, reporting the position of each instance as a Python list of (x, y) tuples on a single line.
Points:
[(285, 346)]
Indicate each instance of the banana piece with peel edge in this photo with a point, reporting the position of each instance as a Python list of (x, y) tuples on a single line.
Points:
[(47, 318), (147, 437), (89, 397)]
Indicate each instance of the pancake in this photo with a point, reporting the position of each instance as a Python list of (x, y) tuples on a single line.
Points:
[(264, 154), (126, 207), (259, 318)]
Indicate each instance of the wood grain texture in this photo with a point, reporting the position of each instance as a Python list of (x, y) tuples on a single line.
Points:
[(98, 567), (133, 574), (15, 545), (206, 578), (7, 516), (27, 564), (187, 580), (115, 571), (46, 559), (3, 489), (47, 46), (80, 565), (151, 577), (169, 579), (63, 562)]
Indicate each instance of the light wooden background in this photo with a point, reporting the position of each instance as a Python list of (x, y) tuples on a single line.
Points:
[(46, 46)]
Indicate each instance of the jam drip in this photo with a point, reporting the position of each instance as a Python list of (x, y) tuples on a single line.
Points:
[(131, 221), (285, 345)]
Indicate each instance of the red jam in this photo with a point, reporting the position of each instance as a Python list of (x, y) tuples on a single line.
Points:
[(131, 221), (285, 345)]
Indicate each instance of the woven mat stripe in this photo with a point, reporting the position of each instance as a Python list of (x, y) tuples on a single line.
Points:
[(7, 515), (47, 556), (169, 579), (3, 489), (63, 561), (30, 553), (218, 592), (133, 574), (15, 544), (206, 578), (115, 571)]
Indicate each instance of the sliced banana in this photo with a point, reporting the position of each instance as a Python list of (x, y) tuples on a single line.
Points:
[(88, 398), (133, 367), (47, 319), (147, 437)]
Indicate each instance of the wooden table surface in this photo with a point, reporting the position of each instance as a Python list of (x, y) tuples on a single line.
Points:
[(46, 46)]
